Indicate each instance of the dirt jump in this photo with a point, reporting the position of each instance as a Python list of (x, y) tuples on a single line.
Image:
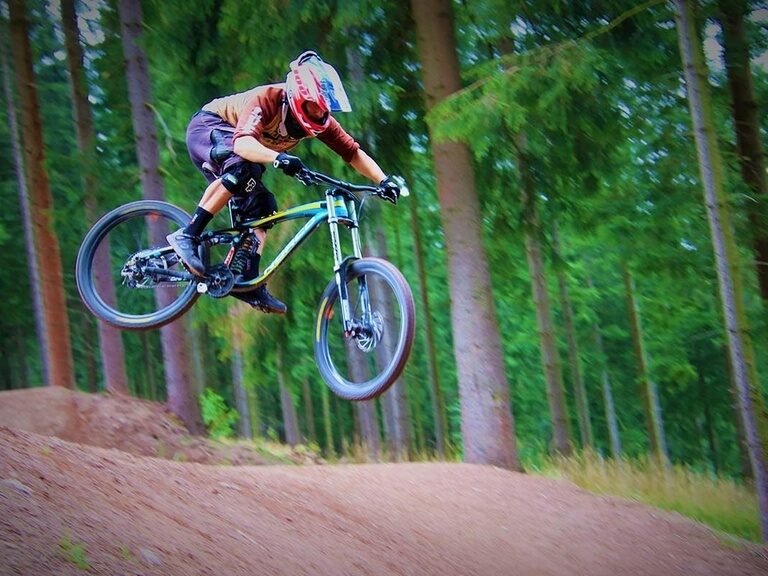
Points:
[(91, 484)]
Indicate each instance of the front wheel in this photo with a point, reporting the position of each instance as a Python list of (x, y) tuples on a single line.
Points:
[(362, 363)]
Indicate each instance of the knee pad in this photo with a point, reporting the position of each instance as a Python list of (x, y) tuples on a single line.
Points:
[(243, 179)]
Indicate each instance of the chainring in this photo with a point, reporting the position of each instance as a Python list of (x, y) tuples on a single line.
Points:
[(219, 281)]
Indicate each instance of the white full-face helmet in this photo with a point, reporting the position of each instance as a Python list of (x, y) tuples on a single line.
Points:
[(314, 90)]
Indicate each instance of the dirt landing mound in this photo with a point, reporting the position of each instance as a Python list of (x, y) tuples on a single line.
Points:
[(135, 426), (69, 509)]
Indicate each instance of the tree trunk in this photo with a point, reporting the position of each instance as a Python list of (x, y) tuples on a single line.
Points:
[(487, 421), (653, 416), (708, 425), (365, 412), (238, 377), (26, 216), (751, 398), (110, 340), (290, 422), (550, 358), (58, 349), (605, 378), (327, 422), (309, 413), (393, 401), (181, 399), (433, 370), (579, 390), (368, 422), (746, 122)]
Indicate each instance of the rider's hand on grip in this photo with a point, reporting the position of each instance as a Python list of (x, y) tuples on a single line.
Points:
[(291, 165), (389, 190)]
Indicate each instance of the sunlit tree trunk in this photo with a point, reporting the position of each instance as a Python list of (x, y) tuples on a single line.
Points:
[(54, 305), (26, 214), (746, 122), (751, 399), (181, 398), (579, 389), (649, 393), (486, 415), (550, 358), (110, 340)]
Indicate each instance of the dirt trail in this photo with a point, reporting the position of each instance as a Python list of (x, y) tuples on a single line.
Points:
[(62, 503)]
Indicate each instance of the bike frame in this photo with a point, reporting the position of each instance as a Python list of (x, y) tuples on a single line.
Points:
[(339, 207)]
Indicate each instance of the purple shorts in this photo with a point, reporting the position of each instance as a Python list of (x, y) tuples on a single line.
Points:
[(209, 141)]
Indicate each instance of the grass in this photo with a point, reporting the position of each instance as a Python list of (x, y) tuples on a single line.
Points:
[(721, 503), (73, 552)]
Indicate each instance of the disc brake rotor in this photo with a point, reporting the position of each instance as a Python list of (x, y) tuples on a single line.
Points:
[(368, 339)]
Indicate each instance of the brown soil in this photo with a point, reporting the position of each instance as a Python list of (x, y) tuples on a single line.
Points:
[(97, 504)]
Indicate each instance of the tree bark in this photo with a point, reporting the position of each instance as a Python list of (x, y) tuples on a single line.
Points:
[(433, 369), (751, 399), (550, 358), (181, 398), (309, 412), (238, 376), (54, 305), (486, 417), (110, 340), (579, 390), (26, 216), (327, 423), (607, 389), (653, 416), (746, 123), (290, 422)]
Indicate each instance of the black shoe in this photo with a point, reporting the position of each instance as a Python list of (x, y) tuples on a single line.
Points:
[(261, 299), (186, 247)]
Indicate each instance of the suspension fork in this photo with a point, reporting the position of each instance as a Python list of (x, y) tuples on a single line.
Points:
[(340, 264)]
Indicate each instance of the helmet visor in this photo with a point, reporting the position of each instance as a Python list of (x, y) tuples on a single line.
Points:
[(329, 81)]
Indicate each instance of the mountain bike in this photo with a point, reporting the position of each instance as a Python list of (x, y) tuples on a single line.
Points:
[(364, 325)]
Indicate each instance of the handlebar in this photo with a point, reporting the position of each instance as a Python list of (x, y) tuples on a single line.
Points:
[(310, 177)]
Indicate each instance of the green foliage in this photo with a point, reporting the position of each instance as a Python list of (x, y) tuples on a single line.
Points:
[(217, 416), (73, 552)]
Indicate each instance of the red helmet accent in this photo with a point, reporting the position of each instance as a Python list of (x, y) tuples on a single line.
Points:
[(302, 86)]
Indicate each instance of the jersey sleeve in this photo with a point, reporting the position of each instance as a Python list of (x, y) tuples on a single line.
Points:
[(338, 140)]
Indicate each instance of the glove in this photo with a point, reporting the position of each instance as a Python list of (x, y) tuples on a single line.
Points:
[(390, 191), (291, 165)]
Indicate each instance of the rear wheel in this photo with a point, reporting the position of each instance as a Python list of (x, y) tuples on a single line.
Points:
[(363, 364), (126, 273)]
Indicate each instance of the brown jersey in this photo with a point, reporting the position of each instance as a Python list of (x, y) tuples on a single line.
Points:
[(260, 112)]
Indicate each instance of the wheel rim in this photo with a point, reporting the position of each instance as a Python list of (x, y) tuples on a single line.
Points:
[(132, 293), (367, 360)]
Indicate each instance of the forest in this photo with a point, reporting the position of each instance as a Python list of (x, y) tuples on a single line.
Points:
[(586, 236)]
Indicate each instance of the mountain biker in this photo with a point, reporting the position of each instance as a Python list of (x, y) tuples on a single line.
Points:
[(232, 138)]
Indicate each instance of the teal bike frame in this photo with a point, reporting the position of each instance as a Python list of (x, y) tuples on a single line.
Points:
[(337, 209)]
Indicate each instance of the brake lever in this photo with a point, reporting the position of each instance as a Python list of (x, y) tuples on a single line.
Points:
[(305, 177)]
